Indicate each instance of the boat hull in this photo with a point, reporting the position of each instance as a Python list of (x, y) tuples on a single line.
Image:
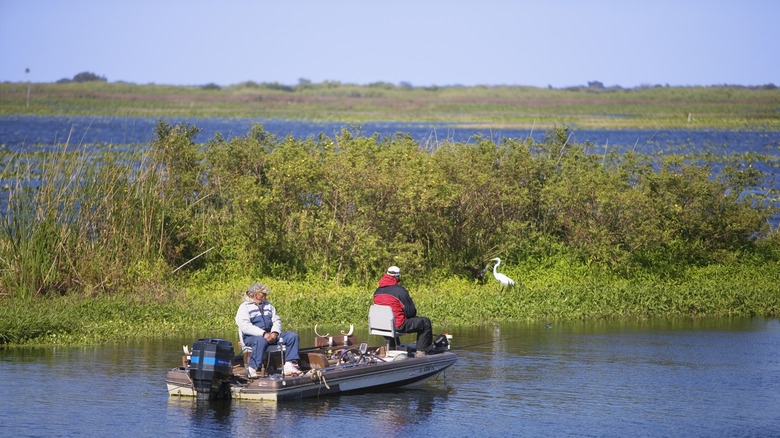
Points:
[(375, 375)]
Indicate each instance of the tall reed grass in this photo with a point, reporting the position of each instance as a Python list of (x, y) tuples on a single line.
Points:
[(77, 219)]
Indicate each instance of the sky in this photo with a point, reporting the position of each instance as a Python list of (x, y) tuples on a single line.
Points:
[(541, 43)]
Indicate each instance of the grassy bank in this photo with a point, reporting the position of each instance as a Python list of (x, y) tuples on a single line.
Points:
[(554, 290), (497, 107)]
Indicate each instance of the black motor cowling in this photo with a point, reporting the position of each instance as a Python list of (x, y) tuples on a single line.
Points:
[(211, 367)]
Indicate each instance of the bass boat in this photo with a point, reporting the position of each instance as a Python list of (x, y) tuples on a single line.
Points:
[(336, 364)]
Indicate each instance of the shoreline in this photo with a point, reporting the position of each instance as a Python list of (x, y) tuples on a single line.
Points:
[(551, 293)]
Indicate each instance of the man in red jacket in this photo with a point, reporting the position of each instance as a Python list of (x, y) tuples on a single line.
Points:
[(391, 293)]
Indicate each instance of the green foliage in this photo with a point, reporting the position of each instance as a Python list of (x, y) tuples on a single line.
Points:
[(76, 320), (175, 155), (549, 289), (75, 221), (586, 235), (344, 208), (87, 77), (83, 77)]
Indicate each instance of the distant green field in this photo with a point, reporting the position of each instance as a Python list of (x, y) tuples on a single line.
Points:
[(505, 107)]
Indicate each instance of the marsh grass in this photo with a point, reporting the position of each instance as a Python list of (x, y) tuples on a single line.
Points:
[(726, 107), (556, 290), (76, 218)]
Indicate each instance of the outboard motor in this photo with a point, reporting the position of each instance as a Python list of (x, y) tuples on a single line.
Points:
[(211, 367), (442, 343)]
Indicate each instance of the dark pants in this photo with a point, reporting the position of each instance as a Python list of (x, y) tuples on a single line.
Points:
[(259, 344), (422, 326)]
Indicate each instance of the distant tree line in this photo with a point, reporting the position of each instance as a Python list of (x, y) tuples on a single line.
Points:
[(597, 86), (303, 84), (83, 77)]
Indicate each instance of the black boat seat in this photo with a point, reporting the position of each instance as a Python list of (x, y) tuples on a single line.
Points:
[(381, 322)]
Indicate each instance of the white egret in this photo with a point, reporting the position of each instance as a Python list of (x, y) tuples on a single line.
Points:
[(503, 279)]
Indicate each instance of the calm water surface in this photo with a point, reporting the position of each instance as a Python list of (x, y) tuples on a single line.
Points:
[(19, 132), (660, 378)]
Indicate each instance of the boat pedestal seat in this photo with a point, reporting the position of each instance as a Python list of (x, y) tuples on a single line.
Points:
[(381, 321)]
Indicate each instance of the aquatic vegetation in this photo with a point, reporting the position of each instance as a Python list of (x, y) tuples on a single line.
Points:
[(341, 208), (547, 290), (585, 235), (77, 219)]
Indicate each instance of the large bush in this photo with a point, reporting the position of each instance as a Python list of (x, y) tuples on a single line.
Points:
[(346, 207)]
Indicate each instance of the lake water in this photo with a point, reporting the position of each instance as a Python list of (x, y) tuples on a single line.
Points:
[(20, 131), (691, 378), (26, 132)]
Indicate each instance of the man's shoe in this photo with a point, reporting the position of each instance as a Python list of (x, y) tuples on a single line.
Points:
[(290, 369), (420, 354), (251, 373)]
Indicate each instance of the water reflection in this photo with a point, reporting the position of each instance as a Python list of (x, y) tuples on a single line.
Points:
[(387, 413)]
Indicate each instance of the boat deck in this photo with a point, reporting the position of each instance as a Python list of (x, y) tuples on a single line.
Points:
[(325, 370)]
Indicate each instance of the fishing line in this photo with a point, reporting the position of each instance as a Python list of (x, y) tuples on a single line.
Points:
[(464, 347)]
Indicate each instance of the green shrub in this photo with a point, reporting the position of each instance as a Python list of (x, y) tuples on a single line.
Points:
[(342, 209)]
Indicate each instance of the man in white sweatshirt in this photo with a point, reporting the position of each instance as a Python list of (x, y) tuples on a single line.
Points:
[(260, 327)]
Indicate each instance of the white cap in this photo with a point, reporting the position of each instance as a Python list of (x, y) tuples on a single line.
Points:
[(394, 271)]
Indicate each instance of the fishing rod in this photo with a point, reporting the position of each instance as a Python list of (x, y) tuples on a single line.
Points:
[(465, 347)]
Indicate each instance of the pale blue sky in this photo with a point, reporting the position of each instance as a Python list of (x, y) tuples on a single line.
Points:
[(488, 42)]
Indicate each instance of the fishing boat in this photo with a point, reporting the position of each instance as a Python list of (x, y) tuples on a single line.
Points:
[(335, 365)]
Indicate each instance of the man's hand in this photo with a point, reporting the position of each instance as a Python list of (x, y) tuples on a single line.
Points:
[(271, 337)]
